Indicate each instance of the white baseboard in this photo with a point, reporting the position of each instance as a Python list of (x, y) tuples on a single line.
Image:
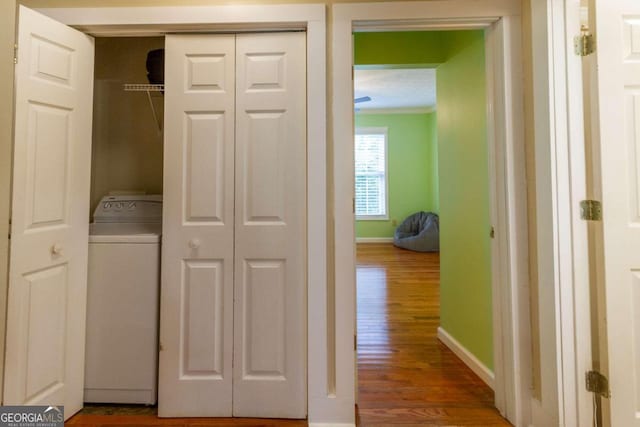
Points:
[(331, 425), (465, 355), (374, 239)]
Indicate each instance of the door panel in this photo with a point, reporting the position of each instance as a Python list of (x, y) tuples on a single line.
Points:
[(270, 230), (264, 288), (50, 211), (196, 320), (205, 167), (46, 329), (618, 81), (264, 167), (203, 344), (47, 144)]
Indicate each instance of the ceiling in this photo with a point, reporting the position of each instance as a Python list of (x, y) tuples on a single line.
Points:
[(396, 88)]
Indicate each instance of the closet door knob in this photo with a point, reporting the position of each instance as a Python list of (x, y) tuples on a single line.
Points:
[(194, 243), (56, 249)]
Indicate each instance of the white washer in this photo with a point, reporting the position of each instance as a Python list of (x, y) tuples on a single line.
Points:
[(123, 300)]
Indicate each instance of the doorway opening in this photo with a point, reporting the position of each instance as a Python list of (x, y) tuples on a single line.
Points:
[(203, 187), (422, 184), (121, 356)]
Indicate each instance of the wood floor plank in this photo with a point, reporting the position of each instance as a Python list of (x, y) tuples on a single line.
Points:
[(406, 376)]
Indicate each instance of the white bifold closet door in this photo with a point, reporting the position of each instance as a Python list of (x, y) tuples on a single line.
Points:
[(45, 341), (269, 378), (233, 306), (196, 304)]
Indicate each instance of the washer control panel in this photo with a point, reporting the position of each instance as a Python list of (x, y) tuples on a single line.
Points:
[(118, 206), (134, 208)]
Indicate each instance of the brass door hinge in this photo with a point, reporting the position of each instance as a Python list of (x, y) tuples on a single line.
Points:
[(15, 53), (591, 210), (492, 233), (584, 44), (597, 383)]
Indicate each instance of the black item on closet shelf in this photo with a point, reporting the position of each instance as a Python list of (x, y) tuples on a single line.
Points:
[(155, 66)]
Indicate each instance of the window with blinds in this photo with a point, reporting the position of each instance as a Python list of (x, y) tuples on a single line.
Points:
[(371, 173)]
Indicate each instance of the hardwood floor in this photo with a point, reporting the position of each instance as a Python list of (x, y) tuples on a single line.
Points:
[(406, 376)]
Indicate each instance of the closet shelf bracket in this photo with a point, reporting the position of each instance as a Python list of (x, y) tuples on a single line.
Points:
[(148, 88)]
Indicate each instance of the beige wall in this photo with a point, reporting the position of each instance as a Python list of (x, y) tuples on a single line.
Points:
[(127, 145), (527, 66), (7, 26)]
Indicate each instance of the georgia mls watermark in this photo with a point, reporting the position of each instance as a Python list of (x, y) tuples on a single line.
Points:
[(31, 416)]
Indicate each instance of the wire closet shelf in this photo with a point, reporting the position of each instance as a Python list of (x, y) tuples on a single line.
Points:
[(147, 88), (140, 87)]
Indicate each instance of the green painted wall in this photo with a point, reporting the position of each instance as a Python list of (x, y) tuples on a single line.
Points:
[(384, 48), (460, 171), (465, 262), (411, 155)]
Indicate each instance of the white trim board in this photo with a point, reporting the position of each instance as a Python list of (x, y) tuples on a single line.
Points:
[(138, 21), (562, 237), (325, 403), (374, 239), (479, 368), (501, 20), (331, 424)]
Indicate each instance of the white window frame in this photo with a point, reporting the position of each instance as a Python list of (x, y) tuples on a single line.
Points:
[(378, 131)]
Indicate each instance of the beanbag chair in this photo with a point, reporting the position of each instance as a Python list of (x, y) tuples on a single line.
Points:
[(419, 232)]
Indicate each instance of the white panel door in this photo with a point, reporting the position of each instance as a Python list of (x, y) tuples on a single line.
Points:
[(50, 214), (196, 314), (270, 240), (618, 74)]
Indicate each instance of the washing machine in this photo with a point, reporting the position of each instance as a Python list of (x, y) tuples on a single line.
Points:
[(123, 300)]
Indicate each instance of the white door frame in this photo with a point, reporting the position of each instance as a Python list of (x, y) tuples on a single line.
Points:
[(501, 21), (562, 236), (7, 69), (149, 21)]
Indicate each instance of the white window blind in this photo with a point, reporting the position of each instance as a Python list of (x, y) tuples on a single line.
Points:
[(371, 173)]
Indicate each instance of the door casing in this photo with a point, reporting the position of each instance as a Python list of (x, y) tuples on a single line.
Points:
[(323, 403), (501, 22), (562, 236)]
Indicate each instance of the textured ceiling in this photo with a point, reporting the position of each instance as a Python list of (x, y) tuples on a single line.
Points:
[(396, 88)]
